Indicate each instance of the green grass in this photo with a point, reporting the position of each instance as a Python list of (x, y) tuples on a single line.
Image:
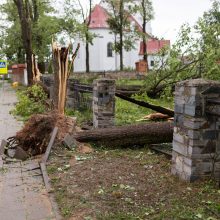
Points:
[(125, 112), (128, 113), (82, 115), (130, 82)]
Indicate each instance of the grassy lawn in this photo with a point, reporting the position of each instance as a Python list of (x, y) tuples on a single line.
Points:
[(129, 113), (130, 82), (120, 82), (126, 112), (127, 184)]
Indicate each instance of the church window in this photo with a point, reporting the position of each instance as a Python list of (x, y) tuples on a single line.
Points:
[(109, 50)]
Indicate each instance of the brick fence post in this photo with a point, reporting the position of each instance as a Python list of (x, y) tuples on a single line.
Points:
[(103, 103), (196, 139)]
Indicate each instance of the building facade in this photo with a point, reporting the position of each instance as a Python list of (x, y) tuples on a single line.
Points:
[(102, 57)]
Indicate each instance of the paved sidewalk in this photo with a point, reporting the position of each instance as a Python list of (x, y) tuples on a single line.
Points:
[(22, 192), (8, 125)]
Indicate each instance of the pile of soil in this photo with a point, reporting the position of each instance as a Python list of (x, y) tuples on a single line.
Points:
[(35, 135)]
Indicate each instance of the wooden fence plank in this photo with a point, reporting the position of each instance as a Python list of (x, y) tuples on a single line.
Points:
[(52, 139)]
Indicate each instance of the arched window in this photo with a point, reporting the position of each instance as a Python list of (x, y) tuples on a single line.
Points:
[(109, 50)]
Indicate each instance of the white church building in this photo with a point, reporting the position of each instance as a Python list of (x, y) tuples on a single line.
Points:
[(101, 55)]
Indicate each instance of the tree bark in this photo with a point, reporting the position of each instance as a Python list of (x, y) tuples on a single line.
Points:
[(87, 55), (147, 105), (149, 133), (24, 16), (145, 57), (87, 38), (121, 14)]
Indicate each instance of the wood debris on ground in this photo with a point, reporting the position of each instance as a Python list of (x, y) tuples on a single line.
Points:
[(156, 117)]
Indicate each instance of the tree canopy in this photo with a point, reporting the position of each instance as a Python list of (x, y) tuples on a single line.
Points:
[(195, 54)]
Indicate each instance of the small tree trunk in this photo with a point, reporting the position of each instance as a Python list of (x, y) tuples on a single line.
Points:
[(145, 57), (87, 37), (60, 64), (87, 56), (121, 34), (121, 52)]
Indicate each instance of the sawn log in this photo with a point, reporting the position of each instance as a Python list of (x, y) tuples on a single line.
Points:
[(129, 135)]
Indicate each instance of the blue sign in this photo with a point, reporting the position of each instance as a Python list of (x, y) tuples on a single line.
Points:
[(3, 67), (2, 64)]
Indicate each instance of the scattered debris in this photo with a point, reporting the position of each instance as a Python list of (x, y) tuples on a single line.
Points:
[(69, 141), (165, 148), (84, 148), (20, 154), (3, 145), (51, 143), (155, 117), (45, 177), (1, 162)]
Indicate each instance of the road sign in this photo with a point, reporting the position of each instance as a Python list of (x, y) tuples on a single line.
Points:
[(3, 67)]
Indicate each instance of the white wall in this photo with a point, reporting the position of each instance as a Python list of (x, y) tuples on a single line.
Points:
[(156, 59), (99, 61)]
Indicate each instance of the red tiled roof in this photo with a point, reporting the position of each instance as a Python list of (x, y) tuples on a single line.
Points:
[(154, 46), (99, 17)]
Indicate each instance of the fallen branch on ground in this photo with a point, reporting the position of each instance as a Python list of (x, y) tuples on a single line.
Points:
[(156, 108)]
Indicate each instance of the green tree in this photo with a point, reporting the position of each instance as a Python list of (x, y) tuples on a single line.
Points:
[(120, 23), (195, 54), (145, 9), (42, 26), (76, 22)]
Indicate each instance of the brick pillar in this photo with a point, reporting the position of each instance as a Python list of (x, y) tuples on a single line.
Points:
[(70, 99), (103, 103), (196, 139)]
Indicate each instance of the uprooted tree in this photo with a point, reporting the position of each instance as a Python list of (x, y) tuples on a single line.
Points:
[(62, 69)]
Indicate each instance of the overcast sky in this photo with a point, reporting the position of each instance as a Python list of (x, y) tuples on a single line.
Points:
[(171, 14)]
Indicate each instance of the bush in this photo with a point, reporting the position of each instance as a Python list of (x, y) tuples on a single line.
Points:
[(30, 101)]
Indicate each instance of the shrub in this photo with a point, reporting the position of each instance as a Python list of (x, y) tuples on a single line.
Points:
[(30, 101)]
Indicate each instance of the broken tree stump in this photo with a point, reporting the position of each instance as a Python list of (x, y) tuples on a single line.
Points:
[(146, 133), (62, 70), (60, 64)]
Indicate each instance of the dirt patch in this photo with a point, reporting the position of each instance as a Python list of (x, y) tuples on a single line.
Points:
[(127, 184)]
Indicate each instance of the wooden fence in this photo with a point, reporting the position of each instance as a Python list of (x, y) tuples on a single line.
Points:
[(79, 95)]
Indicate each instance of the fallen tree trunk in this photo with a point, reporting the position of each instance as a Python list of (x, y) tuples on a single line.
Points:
[(147, 105), (129, 135)]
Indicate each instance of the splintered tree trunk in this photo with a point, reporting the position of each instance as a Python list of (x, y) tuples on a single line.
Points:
[(35, 70), (149, 133), (60, 64)]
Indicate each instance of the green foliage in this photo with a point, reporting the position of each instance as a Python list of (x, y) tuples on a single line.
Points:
[(195, 54), (75, 21), (121, 25), (43, 26), (30, 101), (132, 82)]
